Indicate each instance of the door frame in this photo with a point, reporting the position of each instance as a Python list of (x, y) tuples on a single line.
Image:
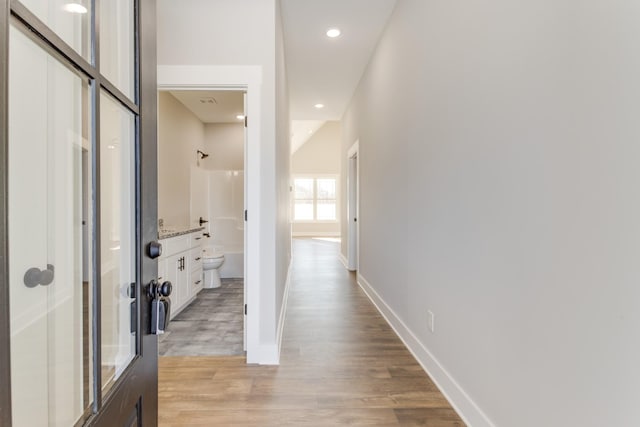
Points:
[(5, 331), (353, 207), (137, 387), (249, 79)]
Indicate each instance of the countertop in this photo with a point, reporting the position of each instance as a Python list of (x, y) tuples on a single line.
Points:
[(168, 232)]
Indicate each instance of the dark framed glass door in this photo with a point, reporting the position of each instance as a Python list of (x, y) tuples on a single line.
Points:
[(78, 190)]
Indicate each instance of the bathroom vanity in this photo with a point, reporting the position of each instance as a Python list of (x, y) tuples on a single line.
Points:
[(181, 264)]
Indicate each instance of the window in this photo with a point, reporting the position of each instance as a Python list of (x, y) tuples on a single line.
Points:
[(315, 199)]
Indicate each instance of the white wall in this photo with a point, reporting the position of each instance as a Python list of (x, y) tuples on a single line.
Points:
[(224, 142), (283, 177), (180, 135), (243, 33), (499, 189), (320, 155)]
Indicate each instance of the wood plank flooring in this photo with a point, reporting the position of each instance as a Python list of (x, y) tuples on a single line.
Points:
[(341, 364)]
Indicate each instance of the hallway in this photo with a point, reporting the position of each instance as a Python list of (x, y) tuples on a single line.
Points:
[(341, 364)]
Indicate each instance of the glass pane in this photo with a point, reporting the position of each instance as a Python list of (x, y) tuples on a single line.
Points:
[(326, 211), (117, 48), (327, 188), (49, 238), (69, 19), (304, 188), (117, 231), (303, 211)]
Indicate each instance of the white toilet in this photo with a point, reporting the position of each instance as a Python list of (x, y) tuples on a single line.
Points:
[(212, 259)]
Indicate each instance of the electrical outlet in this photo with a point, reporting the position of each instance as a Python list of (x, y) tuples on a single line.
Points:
[(430, 320)]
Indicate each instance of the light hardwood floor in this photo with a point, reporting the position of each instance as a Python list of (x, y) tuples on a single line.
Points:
[(341, 364)]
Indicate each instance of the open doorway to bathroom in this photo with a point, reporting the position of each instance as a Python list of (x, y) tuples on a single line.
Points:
[(201, 203)]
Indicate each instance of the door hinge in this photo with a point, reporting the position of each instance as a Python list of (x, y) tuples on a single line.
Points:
[(245, 309), (245, 214), (245, 121)]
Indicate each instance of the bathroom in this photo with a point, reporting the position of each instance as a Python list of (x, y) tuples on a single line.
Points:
[(201, 203)]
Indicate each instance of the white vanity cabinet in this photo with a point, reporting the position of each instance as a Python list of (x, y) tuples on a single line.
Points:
[(197, 279), (178, 264)]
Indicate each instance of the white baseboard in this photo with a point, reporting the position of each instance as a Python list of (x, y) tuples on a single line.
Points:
[(269, 354), (266, 354), (343, 260), (283, 309), (459, 399), (315, 234)]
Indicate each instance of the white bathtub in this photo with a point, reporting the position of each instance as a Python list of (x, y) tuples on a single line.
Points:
[(227, 237), (233, 266)]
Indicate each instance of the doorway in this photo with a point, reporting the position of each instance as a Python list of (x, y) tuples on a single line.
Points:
[(248, 79), (201, 194)]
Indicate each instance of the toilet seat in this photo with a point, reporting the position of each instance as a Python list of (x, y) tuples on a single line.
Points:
[(211, 255)]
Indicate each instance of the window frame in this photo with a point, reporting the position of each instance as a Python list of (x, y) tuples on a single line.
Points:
[(315, 178)]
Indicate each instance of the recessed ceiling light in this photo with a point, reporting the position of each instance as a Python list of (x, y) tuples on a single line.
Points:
[(319, 106), (240, 117), (333, 32), (75, 8)]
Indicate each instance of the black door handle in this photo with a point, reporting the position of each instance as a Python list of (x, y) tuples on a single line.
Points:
[(34, 276), (157, 289)]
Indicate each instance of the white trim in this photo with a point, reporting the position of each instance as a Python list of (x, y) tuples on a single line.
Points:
[(353, 207), (319, 221), (315, 234), (283, 309), (249, 78), (267, 354), (353, 150), (455, 394)]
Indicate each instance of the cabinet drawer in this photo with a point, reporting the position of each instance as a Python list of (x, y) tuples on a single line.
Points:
[(176, 244), (197, 281), (196, 239), (196, 259)]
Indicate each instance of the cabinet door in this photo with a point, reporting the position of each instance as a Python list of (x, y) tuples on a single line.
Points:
[(173, 275), (162, 270)]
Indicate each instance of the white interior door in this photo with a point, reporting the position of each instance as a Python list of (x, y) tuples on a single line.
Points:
[(246, 246)]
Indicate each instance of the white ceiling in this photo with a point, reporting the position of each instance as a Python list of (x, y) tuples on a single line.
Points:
[(320, 69), (212, 106), (324, 70)]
